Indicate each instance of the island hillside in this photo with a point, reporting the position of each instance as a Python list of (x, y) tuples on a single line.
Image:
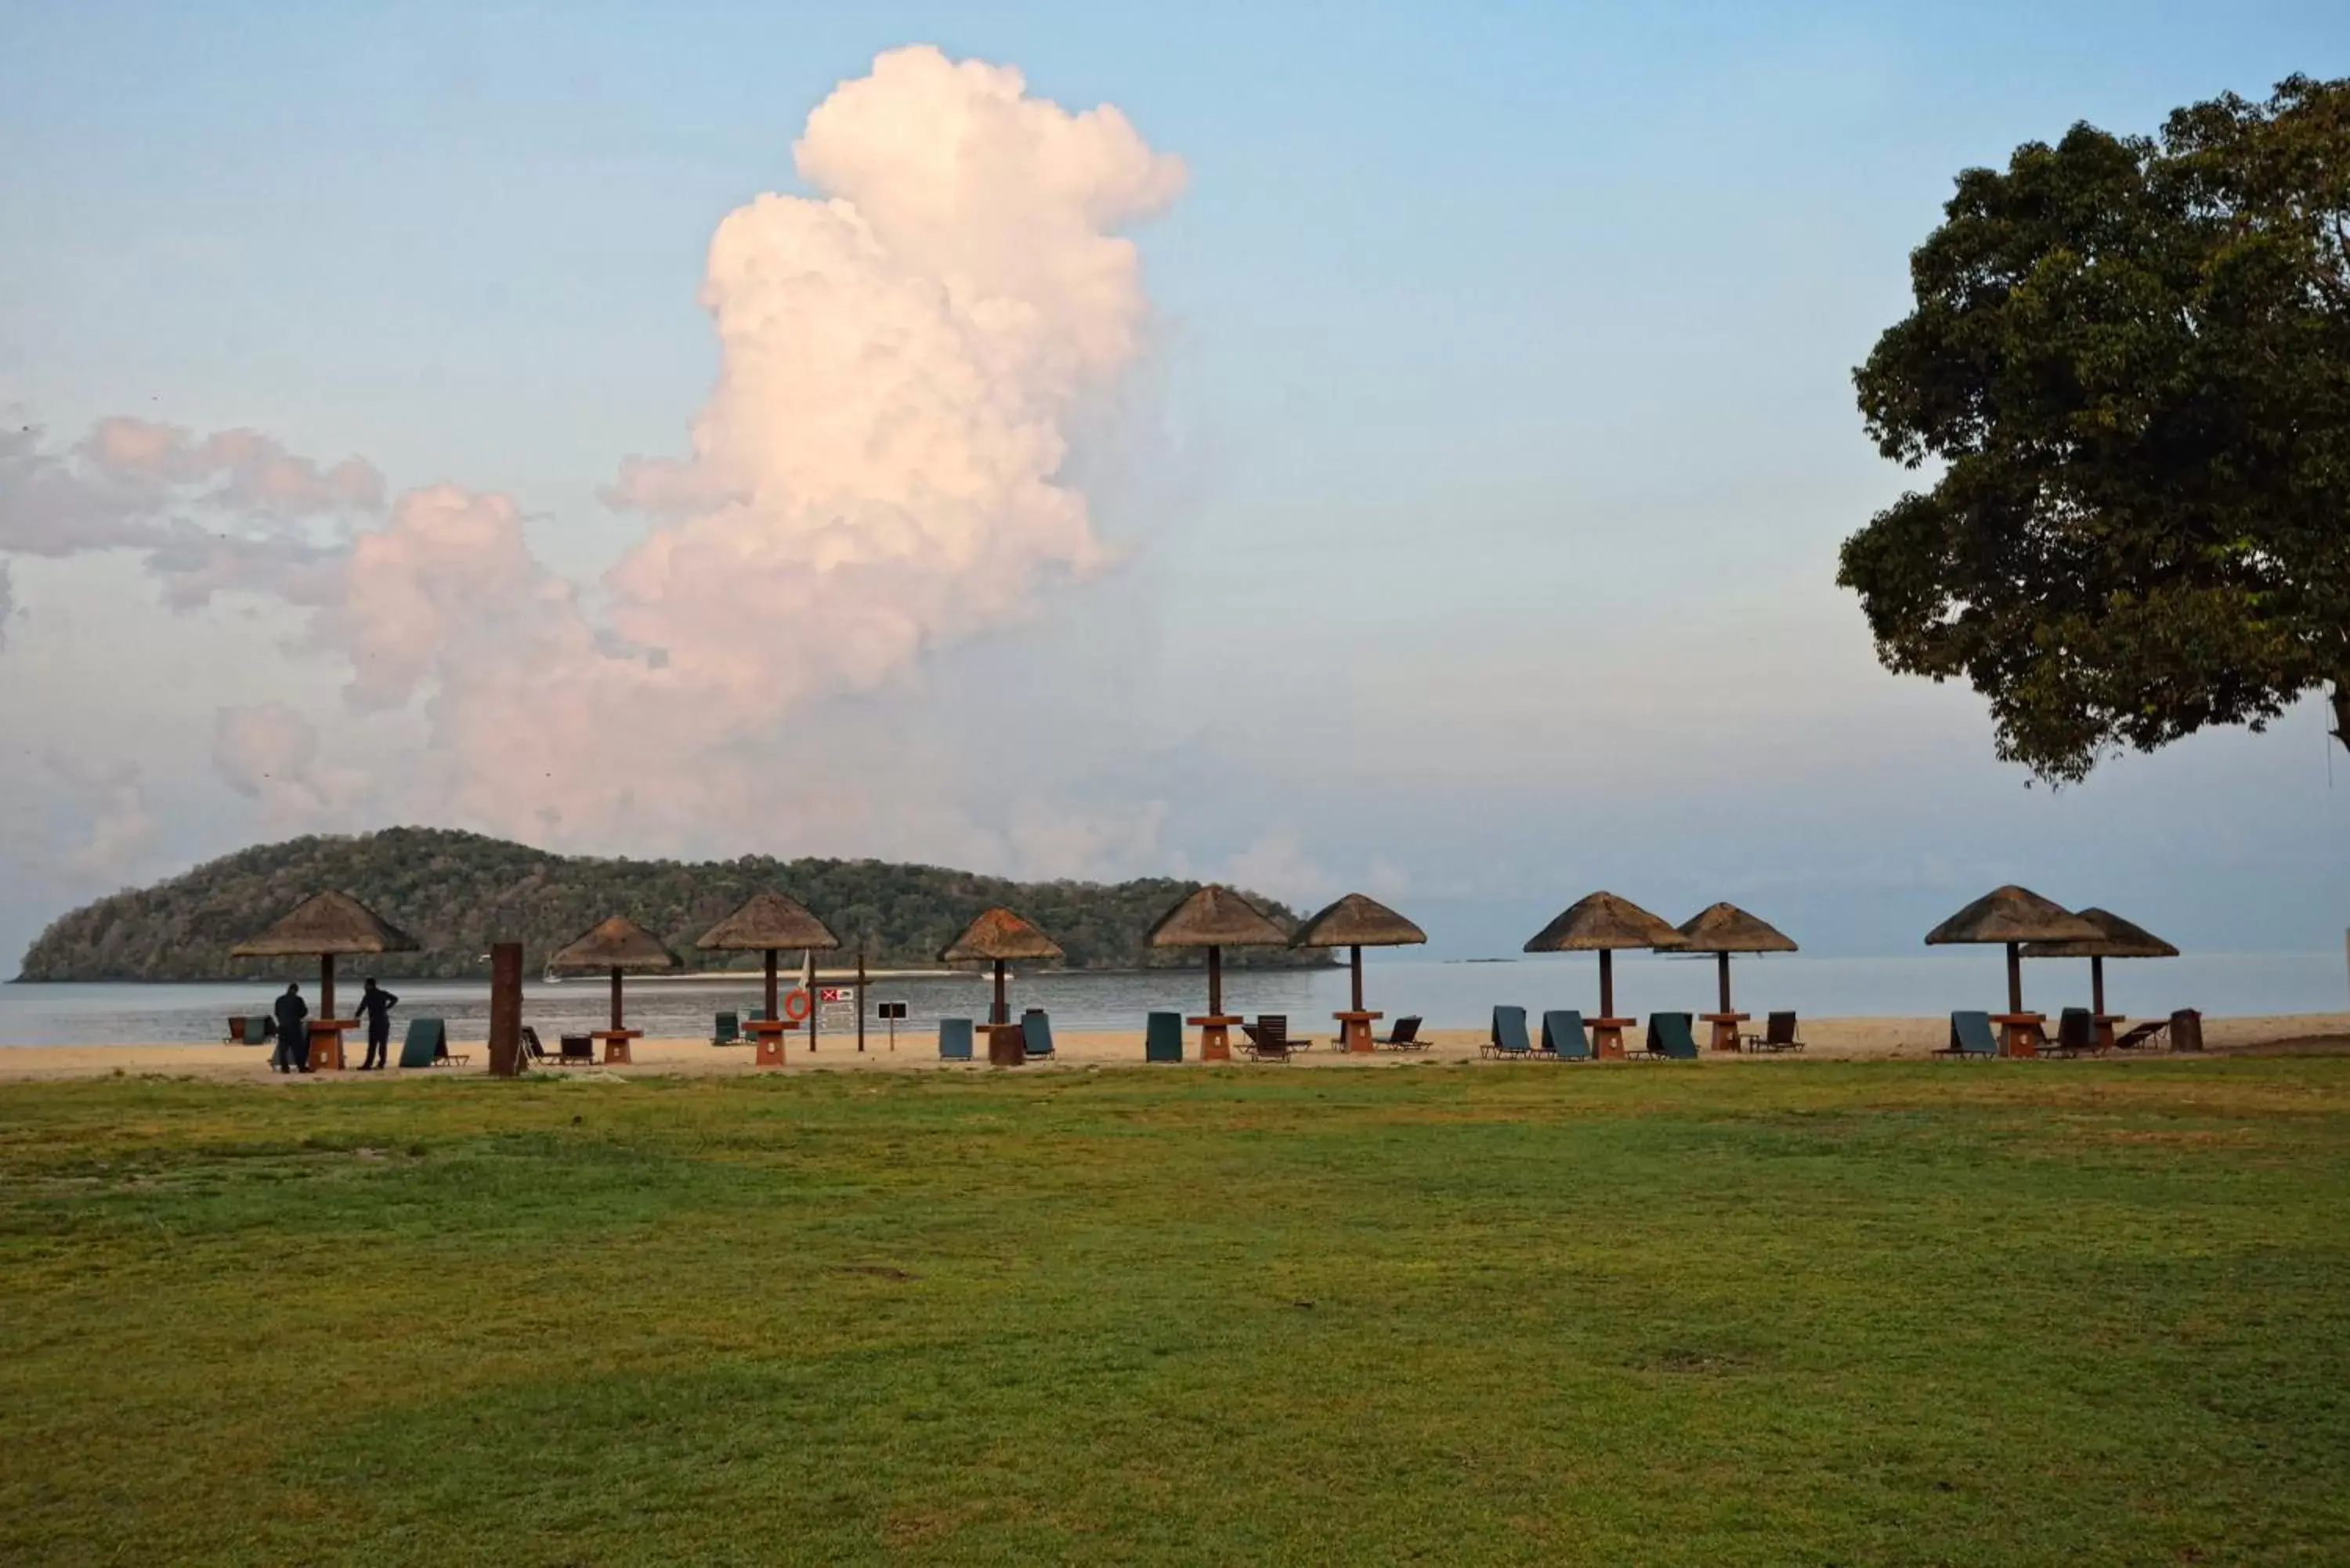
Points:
[(457, 892)]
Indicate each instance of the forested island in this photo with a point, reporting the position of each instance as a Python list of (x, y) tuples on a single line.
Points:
[(457, 892)]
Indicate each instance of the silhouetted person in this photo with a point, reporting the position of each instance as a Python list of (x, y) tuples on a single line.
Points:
[(375, 1006), (293, 1033)]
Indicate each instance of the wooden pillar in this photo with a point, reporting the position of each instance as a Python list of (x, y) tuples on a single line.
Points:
[(505, 1009), (772, 1011), (326, 985), (2097, 983), (1354, 962), (860, 998), (1721, 962), (1216, 981), (1606, 983), (1001, 1011), (616, 998), (2015, 977)]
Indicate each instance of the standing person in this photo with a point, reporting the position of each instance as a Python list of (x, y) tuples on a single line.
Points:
[(293, 1031), (375, 1006)]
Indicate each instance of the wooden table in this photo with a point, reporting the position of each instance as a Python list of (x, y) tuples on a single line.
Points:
[(768, 1040), (326, 1041), (1355, 1031), (2019, 1032), (1607, 1036), (1216, 1039), (616, 1043), (1007, 1044), (1725, 1028), (2101, 1028)]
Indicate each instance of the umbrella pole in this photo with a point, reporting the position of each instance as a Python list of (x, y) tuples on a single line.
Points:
[(860, 997), (1355, 961), (326, 985), (2015, 977), (1606, 983), (1002, 1014), (2097, 982), (617, 1024), (771, 984), (1216, 981), (1721, 962)]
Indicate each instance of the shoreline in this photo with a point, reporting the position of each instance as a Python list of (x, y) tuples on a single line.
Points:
[(1826, 1039)]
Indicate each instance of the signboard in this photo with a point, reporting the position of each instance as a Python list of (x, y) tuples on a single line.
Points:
[(837, 1006), (890, 1009)]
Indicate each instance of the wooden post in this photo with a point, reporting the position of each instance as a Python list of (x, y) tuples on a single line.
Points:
[(505, 1009), (2015, 977), (861, 999), (2097, 983), (1001, 1011), (616, 998), (1354, 962), (1721, 962), (771, 1013), (326, 985), (1215, 980), (1606, 983), (815, 1001)]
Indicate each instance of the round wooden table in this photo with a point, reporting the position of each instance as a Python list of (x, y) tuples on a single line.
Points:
[(1355, 1031), (1216, 1039), (1725, 1028), (1007, 1044), (2019, 1032), (767, 1040), (616, 1043), (327, 1043), (2101, 1026), (1607, 1036)]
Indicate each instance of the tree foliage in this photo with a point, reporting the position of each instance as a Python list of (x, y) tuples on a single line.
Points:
[(457, 892), (2130, 361)]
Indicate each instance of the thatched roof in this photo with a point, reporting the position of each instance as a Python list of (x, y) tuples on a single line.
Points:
[(617, 943), (2119, 939), (998, 933), (1727, 928), (2012, 914), (1355, 921), (1215, 916), (768, 920), (328, 923), (1603, 920)]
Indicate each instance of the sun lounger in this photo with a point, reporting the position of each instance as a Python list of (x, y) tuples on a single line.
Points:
[(531, 1050), (1563, 1036), (954, 1038), (1405, 1036), (726, 1029), (1268, 1038), (2142, 1034), (1162, 1037), (2074, 1034), (1779, 1033), (1037, 1031), (427, 1045), (1970, 1036), (1508, 1040), (1669, 1037), (578, 1051)]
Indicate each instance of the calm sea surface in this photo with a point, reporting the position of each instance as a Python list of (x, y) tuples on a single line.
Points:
[(1448, 995)]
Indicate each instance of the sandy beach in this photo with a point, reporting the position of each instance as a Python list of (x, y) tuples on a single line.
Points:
[(1826, 1039)]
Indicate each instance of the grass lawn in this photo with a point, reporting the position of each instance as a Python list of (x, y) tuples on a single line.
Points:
[(1796, 1312)]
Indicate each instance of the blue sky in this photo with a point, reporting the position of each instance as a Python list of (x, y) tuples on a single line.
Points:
[(1479, 494)]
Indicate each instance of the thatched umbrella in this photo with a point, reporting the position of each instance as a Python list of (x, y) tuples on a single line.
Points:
[(2117, 938), (1603, 923), (1355, 922), (1215, 917), (1723, 930), (323, 925), (619, 944), (999, 936), (767, 923), (2014, 916)]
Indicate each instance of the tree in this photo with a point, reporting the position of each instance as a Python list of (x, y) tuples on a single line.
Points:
[(2130, 361)]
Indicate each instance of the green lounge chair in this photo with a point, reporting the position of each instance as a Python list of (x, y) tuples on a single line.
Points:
[(1162, 1037), (1509, 1037), (1036, 1032), (1563, 1036), (954, 1038), (427, 1045), (727, 1030), (1669, 1037), (1970, 1036)]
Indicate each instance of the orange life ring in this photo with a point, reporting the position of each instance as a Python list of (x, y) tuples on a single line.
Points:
[(797, 1005)]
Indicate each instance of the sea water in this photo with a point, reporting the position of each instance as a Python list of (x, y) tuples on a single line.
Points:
[(1448, 995)]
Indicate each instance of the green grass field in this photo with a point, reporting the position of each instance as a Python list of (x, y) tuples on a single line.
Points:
[(1803, 1312)]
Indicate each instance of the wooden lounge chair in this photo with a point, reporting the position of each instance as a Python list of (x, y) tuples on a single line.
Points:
[(1563, 1036), (1508, 1040), (2074, 1034), (578, 1051), (954, 1038), (2142, 1034), (1779, 1033), (1037, 1029), (1405, 1036), (1162, 1037), (427, 1046), (1670, 1038), (1970, 1036), (726, 1029), (1268, 1038), (531, 1050)]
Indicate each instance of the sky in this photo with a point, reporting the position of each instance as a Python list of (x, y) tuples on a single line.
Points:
[(1368, 448)]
